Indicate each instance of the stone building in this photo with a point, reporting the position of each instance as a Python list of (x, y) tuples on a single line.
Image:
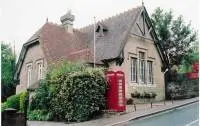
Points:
[(125, 42)]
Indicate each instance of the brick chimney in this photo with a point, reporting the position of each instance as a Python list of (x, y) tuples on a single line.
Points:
[(67, 21)]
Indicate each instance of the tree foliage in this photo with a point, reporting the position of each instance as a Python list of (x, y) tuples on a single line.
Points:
[(174, 34), (8, 69), (188, 60), (18, 102)]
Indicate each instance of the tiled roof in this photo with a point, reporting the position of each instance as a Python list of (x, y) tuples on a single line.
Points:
[(57, 43), (108, 46)]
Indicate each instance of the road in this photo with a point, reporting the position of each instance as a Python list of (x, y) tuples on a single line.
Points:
[(184, 116)]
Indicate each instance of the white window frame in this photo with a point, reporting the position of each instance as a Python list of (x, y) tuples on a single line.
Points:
[(134, 69), (146, 58), (140, 68), (150, 74), (39, 65), (29, 67)]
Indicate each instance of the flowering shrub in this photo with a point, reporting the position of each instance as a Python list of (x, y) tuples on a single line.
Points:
[(70, 92), (80, 96)]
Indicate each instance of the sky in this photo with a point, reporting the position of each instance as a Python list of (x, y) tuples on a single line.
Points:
[(20, 19)]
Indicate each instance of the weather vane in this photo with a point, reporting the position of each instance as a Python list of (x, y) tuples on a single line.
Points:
[(142, 3)]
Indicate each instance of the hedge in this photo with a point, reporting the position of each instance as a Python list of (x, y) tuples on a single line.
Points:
[(3, 106), (81, 96), (70, 92), (13, 101), (41, 115), (23, 102), (41, 99), (18, 102)]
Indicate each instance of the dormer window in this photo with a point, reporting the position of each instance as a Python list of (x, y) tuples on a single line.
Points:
[(101, 30)]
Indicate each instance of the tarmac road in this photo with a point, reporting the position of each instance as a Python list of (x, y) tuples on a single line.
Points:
[(184, 116)]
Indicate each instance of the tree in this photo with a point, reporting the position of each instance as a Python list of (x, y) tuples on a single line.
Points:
[(190, 59), (8, 69), (174, 34)]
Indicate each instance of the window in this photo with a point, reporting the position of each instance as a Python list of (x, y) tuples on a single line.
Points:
[(40, 72), (29, 69), (142, 67), (101, 29), (150, 72), (133, 69)]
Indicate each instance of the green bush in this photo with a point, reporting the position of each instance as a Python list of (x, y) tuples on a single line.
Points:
[(70, 92), (153, 95), (137, 94), (39, 108), (18, 102), (23, 103), (13, 101), (81, 96), (147, 95), (129, 101), (3, 106), (40, 115), (141, 96), (41, 99)]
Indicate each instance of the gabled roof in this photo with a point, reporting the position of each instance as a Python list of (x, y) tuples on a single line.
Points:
[(57, 43), (108, 46)]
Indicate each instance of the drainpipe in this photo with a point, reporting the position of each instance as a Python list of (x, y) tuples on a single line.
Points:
[(94, 42), (165, 83)]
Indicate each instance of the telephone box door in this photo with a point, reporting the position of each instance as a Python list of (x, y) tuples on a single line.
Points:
[(120, 91), (116, 91), (111, 94)]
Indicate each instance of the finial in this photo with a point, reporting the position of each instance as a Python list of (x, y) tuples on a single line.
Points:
[(47, 20), (142, 3)]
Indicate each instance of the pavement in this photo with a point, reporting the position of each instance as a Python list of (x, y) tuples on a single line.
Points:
[(142, 110)]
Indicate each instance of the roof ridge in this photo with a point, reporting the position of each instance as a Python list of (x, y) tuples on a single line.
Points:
[(52, 23), (109, 18)]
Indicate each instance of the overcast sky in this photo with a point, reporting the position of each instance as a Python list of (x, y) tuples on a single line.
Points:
[(20, 19)]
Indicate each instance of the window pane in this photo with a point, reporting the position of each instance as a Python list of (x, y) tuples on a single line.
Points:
[(29, 68), (39, 71), (142, 66), (150, 72), (141, 55), (142, 70), (133, 69)]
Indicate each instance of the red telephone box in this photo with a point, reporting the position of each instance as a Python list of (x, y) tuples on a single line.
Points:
[(116, 91)]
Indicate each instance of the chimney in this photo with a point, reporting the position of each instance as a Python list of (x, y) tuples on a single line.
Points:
[(67, 21)]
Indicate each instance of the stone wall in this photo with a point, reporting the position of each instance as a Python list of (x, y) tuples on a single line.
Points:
[(133, 46), (33, 54), (187, 88)]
